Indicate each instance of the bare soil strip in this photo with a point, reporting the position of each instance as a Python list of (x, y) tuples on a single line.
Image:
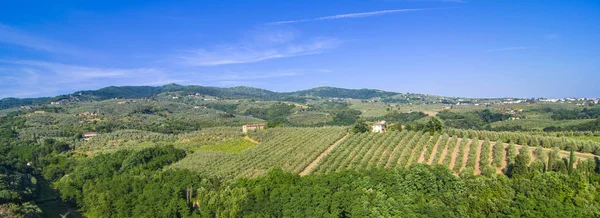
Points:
[(412, 153), (478, 158), (434, 150), (465, 155), (422, 157), (392, 154), (454, 154), (444, 152), (314, 163), (383, 155), (252, 140)]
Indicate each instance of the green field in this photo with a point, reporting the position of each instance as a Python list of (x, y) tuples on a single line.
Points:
[(234, 146)]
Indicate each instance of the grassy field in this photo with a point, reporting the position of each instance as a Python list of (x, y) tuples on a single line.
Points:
[(234, 146)]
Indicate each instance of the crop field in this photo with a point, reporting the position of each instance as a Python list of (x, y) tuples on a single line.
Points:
[(291, 149), (324, 150), (402, 149), (138, 139)]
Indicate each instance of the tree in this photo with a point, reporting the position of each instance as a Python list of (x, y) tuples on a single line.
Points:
[(360, 127), (571, 161), (520, 167), (434, 125)]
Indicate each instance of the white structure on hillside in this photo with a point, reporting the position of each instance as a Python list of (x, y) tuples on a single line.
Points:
[(252, 127), (379, 126)]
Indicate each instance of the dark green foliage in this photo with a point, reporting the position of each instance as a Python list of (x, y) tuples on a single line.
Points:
[(361, 127), (572, 160), (329, 92), (434, 125), (593, 125), (345, 117), (520, 167), (564, 114), (136, 92), (471, 120)]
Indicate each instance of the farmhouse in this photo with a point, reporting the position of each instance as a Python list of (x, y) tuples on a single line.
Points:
[(379, 126), (39, 112), (252, 127), (89, 135)]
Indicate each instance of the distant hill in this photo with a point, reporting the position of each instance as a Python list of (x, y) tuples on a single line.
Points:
[(131, 92), (333, 92)]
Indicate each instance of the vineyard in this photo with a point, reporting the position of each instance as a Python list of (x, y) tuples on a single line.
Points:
[(462, 155), (325, 150), (291, 149)]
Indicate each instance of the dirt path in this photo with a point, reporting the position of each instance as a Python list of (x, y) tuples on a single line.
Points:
[(455, 154), (310, 166), (434, 150), (252, 140), (465, 155), (478, 158), (445, 152), (383, 155), (412, 153), (422, 157), (399, 145)]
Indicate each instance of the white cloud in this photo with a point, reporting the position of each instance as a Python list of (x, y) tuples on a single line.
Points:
[(510, 49), (38, 78), (265, 45), (352, 15)]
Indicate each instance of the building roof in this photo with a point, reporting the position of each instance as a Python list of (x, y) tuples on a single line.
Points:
[(255, 124), (90, 133)]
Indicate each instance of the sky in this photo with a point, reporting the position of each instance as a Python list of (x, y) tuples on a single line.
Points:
[(463, 48)]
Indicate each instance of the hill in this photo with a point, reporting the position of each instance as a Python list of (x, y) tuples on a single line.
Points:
[(138, 92)]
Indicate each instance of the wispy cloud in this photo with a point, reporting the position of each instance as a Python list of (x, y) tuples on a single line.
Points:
[(38, 78), (510, 49), (352, 15), (9, 35), (243, 54), (259, 45)]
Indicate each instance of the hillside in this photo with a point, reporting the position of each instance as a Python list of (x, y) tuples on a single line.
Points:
[(322, 151), (137, 92)]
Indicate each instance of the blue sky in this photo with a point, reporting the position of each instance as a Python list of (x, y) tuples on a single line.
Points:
[(529, 48)]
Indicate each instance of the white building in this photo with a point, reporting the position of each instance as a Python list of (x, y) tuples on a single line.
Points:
[(379, 126), (252, 127)]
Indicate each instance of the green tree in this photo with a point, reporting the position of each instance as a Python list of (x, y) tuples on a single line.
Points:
[(434, 125), (360, 127), (571, 161), (520, 167)]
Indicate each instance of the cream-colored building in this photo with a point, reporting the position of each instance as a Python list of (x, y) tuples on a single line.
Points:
[(379, 126), (252, 127)]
